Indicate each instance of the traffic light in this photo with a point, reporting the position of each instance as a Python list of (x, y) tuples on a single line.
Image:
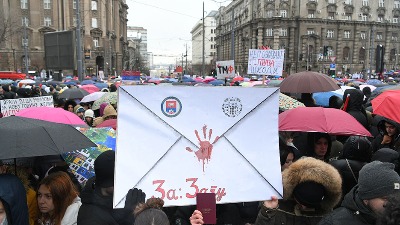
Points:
[(326, 50)]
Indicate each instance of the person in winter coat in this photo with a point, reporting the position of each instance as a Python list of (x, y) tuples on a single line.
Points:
[(13, 200), (388, 137), (58, 200), (97, 196), (365, 203), (7, 93), (356, 153), (109, 113), (319, 146), (311, 188), (392, 212), (387, 155), (353, 105)]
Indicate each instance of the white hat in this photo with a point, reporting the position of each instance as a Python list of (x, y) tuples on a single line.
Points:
[(89, 113)]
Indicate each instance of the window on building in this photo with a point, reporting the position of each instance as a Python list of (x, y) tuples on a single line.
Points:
[(330, 34), (363, 35), (283, 32), (331, 15), (381, 3), (283, 13), (47, 21), (46, 4), (346, 34), (364, 17), (365, 2), (25, 42), (347, 17), (310, 31), (94, 5), (396, 4), (379, 36), (331, 1), (96, 42), (311, 14), (269, 32), (380, 18), (270, 13), (395, 19), (348, 2), (25, 21), (74, 22), (94, 22), (395, 36), (24, 4), (74, 4)]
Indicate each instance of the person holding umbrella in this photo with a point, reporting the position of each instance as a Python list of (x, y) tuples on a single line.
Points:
[(388, 137)]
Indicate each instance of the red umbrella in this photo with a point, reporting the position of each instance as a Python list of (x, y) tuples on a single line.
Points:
[(324, 120), (109, 123), (56, 115), (387, 105), (90, 88), (308, 82), (238, 78)]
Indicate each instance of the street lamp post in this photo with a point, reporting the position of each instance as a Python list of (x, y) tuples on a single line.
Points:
[(15, 66)]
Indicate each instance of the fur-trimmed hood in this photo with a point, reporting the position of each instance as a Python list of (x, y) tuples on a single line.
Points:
[(311, 169)]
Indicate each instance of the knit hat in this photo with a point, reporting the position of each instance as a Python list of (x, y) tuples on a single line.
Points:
[(76, 107), (309, 193), (80, 109), (104, 169), (89, 113), (377, 180)]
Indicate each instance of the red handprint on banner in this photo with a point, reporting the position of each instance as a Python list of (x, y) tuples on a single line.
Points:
[(205, 150)]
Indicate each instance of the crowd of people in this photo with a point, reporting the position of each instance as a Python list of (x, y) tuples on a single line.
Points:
[(327, 179)]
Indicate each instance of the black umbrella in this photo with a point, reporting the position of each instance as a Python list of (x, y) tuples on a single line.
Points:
[(25, 137), (73, 93)]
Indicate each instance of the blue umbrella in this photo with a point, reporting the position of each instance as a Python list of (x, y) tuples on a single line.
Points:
[(188, 79), (217, 82), (172, 79), (69, 83), (101, 85), (374, 82), (84, 82), (322, 98)]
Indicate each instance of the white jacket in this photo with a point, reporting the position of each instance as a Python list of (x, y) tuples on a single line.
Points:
[(71, 214)]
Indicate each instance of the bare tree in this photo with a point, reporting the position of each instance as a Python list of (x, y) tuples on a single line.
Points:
[(8, 27)]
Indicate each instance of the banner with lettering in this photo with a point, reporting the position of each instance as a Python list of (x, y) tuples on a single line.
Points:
[(225, 69), (184, 140), (266, 62), (10, 107)]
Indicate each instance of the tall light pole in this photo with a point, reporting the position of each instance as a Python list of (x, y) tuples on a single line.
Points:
[(78, 40)]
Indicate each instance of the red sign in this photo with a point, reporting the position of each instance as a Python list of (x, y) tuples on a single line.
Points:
[(333, 58)]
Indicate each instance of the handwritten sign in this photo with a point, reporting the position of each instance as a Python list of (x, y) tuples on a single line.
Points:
[(225, 69), (10, 107), (266, 62), (168, 154)]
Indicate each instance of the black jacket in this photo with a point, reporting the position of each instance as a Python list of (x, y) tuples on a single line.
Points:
[(98, 209), (12, 192), (352, 212), (355, 106), (394, 144)]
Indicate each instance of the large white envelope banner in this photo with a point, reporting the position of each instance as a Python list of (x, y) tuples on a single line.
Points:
[(174, 142)]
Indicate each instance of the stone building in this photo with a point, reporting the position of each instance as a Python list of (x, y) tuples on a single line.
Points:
[(103, 36), (314, 33)]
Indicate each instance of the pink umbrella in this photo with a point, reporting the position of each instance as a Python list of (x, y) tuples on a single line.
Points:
[(109, 123), (199, 79), (90, 88), (56, 115), (324, 120), (208, 79)]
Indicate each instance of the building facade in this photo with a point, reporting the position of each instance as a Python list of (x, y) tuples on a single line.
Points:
[(209, 44), (103, 32), (314, 33), (138, 35)]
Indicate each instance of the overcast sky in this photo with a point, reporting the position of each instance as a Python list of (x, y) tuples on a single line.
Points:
[(168, 23)]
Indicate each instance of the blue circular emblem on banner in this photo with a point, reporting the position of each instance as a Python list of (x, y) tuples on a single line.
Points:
[(171, 106)]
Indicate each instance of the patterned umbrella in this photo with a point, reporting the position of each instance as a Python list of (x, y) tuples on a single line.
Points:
[(109, 97), (286, 103)]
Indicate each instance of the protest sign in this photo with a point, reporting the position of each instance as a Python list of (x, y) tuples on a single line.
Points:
[(174, 142), (225, 69), (266, 62), (10, 107)]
